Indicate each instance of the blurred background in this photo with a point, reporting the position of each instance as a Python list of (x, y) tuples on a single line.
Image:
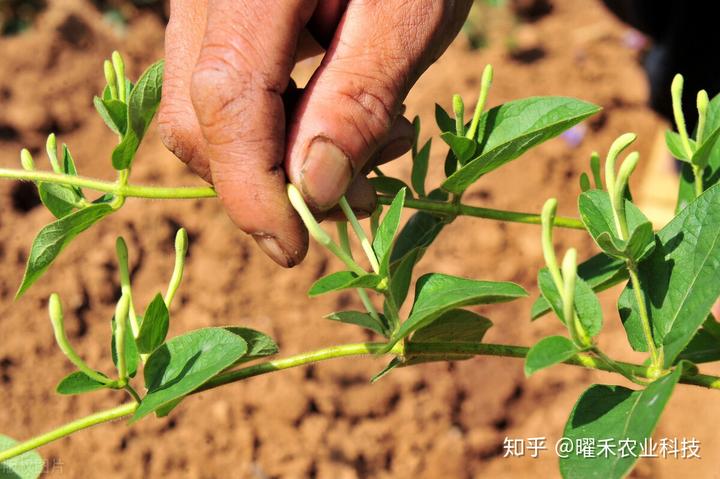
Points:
[(326, 421)]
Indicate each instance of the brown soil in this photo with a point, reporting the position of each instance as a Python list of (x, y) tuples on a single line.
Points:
[(438, 420)]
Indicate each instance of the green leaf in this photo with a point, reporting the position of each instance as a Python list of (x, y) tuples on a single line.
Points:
[(53, 238), (394, 363), (637, 248), (141, 107), (674, 144), (77, 383), (600, 272), (437, 293), (106, 95), (420, 168), (185, 363), (154, 326), (680, 278), (61, 200), (704, 347), (387, 185), (548, 352), (463, 148), (383, 241), (25, 466), (419, 232), (359, 319), (587, 305), (343, 280), (614, 413), (596, 213), (451, 163), (443, 120), (401, 275), (69, 168), (259, 345), (132, 355), (166, 409), (124, 153), (113, 113), (702, 155), (453, 326), (711, 173), (511, 129)]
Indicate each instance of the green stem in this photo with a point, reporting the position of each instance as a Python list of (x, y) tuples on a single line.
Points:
[(319, 234), (133, 393), (452, 210), (698, 174), (617, 367), (67, 429), (129, 191), (199, 192), (644, 317), (348, 350), (358, 349)]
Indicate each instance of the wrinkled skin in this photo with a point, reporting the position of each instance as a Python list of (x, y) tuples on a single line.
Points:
[(231, 112)]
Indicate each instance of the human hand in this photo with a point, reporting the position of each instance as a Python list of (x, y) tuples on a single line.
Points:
[(227, 74)]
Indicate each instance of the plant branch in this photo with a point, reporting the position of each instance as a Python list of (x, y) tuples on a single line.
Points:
[(130, 191), (347, 350), (67, 429), (461, 209), (199, 192), (655, 355)]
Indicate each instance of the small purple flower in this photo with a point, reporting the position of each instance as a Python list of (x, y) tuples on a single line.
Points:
[(575, 135)]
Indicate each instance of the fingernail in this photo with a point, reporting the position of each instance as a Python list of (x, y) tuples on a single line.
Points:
[(270, 245), (326, 173), (395, 149)]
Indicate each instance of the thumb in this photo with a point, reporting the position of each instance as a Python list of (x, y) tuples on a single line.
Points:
[(378, 52)]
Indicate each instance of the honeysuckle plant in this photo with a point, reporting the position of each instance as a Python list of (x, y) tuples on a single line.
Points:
[(671, 275)]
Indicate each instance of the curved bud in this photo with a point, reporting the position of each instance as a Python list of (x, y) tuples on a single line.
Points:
[(181, 242), (676, 91), (617, 147), (111, 79), (485, 83), (119, 66), (459, 111), (122, 309), (51, 148), (548, 220), (26, 160), (569, 275), (121, 250), (56, 315), (702, 107), (626, 169), (181, 247), (58, 323)]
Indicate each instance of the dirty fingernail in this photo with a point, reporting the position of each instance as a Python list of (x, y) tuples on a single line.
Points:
[(394, 150), (325, 174), (271, 247)]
